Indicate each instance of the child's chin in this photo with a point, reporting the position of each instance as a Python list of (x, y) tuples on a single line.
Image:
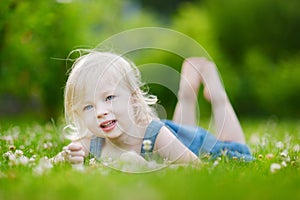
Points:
[(101, 135), (112, 136)]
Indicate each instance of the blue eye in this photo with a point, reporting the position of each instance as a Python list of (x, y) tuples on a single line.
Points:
[(88, 107), (110, 97)]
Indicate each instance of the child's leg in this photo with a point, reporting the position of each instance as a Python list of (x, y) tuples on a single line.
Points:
[(227, 125), (185, 110)]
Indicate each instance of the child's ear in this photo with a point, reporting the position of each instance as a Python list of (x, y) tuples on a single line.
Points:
[(133, 98)]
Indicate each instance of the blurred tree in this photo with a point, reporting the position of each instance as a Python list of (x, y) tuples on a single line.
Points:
[(163, 8), (271, 26), (33, 34), (37, 36), (259, 39)]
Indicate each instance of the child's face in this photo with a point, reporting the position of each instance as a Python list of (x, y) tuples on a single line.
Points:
[(107, 109)]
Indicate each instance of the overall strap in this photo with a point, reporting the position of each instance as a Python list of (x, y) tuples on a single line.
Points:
[(150, 137), (95, 147)]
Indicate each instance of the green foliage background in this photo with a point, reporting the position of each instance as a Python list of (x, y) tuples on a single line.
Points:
[(255, 44)]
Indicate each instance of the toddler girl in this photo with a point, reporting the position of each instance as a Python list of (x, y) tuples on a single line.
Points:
[(113, 118)]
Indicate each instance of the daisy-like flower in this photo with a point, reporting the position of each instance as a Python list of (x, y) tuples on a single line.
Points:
[(287, 159), (296, 148), (255, 139), (92, 161), (275, 167), (283, 164), (32, 160), (12, 157), (7, 154), (48, 145), (59, 158), (284, 154), (23, 160), (18, 153), (279, 145), (8, 138), (147, 145), (43, 167), (216, 162), (269, 156)]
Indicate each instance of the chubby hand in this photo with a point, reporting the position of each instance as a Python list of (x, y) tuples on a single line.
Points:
[(75, 152)]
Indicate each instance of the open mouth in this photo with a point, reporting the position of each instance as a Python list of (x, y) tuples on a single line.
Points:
[(108, 125)]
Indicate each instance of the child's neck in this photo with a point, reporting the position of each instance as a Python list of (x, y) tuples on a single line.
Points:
[(131, 141)]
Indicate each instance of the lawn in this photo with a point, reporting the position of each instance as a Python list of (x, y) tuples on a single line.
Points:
[(27, 174)]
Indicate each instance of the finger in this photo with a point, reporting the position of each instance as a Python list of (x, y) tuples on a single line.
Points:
[(77, 153), (75, 147), (76, 159)]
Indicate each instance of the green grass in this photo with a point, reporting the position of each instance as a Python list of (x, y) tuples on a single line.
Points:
[(271, 142)]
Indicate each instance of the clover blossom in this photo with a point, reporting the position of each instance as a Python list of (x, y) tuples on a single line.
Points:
[(275, 167), (147, 145), (296, 148)]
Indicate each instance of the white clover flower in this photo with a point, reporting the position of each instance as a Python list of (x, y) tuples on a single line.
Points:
[(147, 145), (92, 161), (58, 158), (275, 167), (255, 139), (12, 157), (23, 160), (264, 141), (284, 154), (8, 138), (48, 136), (18, 153), (7, 154), (296, 148), (269, 156), (32, 160), (279, 145), (283, 164), (215, 163), (287, 159), (48, 145), (43, 167)]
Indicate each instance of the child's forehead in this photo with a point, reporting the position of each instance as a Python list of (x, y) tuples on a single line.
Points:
[(104, 85)]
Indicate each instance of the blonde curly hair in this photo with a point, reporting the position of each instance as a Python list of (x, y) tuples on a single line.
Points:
[(87, 70)]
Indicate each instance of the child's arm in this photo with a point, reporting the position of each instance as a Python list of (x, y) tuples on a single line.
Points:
[(169, 147)]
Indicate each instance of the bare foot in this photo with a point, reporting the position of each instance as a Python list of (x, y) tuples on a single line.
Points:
[(208, 75), (190, 79)]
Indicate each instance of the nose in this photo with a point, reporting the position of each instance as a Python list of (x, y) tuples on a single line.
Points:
[(101, 111), (101, 115)]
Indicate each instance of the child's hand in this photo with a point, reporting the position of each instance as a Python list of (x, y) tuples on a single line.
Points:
[(76, 153)]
